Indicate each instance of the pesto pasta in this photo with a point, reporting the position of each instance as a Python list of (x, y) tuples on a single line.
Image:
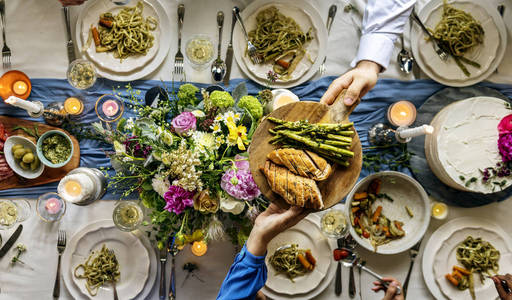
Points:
[(99, 268), (290, 261)]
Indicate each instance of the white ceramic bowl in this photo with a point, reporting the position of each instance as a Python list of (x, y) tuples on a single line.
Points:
[(11, 161), (405, 191)]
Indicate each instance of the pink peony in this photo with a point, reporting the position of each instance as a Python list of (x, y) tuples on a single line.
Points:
[(241, 162), (505, 125), (240, 184), (178, 199), (184, 122), (505, 147)]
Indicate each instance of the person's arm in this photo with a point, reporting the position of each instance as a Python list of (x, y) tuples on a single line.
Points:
[(248, 273), (383, 22)]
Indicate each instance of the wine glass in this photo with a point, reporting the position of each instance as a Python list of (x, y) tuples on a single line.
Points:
[(128, 216), (334, 223)]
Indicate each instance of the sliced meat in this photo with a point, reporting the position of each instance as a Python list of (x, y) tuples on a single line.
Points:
[(303, 163)]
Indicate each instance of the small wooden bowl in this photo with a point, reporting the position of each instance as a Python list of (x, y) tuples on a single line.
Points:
[(343, 179)]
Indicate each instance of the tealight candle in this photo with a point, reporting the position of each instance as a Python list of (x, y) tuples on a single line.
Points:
[(402, 113), (439, 210), (73, 106), (73, 188), (110, 108), (53, 206), (20, 87), (199, 248)]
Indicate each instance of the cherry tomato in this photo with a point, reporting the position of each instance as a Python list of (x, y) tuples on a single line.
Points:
[(366, 234), (340, 254)]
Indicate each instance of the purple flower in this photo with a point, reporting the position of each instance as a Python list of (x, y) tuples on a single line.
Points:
[(134, 148), (178, 199), (184, 122), (241, 162), (505, 147), (240, 184)]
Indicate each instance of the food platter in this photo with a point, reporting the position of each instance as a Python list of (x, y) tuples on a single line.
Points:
[(488, 55), (306, 16), (339, 184), (405, 191), (464, 225), (131, 68), (314, 234), (68, 257)]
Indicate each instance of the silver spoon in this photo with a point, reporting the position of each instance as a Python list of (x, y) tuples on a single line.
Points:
[(405, 59), (218, 65), (120, 2)]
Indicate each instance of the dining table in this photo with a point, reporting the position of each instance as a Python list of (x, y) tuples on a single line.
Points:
[(37, 37)]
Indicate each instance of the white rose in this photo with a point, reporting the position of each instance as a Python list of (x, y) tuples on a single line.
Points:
[(229, 204), (166, 137), (198, 113)]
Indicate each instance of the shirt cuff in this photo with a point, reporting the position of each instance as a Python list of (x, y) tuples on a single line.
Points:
[(376, 47), (251, 260)]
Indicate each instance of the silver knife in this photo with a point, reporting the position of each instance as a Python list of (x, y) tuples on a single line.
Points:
[(11, 241), (163, 260), (69, 44), (171, 248), (229, 51)]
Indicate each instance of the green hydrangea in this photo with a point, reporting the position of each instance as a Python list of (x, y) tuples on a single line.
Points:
[(187, 95), (252, 105), (221, 99)]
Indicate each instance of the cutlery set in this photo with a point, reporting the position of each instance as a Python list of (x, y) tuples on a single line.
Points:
[(170, 249)]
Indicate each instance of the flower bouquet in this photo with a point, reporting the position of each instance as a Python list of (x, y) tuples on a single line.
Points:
[(186, 158)]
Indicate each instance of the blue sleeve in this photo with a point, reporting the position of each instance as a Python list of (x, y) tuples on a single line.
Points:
[(245, 278)]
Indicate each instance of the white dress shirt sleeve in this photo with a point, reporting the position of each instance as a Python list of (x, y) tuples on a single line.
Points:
[(383, 22)]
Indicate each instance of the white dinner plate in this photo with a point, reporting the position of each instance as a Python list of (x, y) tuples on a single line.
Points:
[(306, 16), (323, 284), (131, 68), (441, 236), (68, 266), (306, 235), (488, 55), (405, 191), (106, 59), (445, 259)]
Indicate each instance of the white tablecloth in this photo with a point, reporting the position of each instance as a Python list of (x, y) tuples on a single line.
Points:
[(36, 35)]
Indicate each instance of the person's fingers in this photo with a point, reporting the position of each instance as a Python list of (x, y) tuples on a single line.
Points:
[(260, 296), (391, 291), (354, 90), (499, 288), (335, 88)]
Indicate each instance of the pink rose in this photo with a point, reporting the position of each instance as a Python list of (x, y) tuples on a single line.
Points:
[(184, 122), (241, 162), (505, 125)]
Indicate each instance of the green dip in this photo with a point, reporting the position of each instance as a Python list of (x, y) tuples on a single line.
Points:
[(56, 148)]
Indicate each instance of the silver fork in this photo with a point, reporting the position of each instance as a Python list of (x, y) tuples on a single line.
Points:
[(6, 52), (440, 52), (178, 58), (330, 19), (413, 252), (111, 252), (251, 49), (61, 245)]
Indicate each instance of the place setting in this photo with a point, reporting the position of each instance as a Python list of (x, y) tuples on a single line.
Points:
[(257, 158)]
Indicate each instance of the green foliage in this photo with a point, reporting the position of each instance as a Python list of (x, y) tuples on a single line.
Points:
[(393, 157), (221, 99), (187, 95), (252, 105)]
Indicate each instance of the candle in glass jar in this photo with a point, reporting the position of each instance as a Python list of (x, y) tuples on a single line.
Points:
[(402, 113), (73, 106), (110, 108), (53, 206), (20, 87), (199, 248)]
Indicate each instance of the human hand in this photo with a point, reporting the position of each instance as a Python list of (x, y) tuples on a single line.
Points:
[(391, 291), (501, 291), (357, 81), (71, 2), (270, 223), (260, 296)]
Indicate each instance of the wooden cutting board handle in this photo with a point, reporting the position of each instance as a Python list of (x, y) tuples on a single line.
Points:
[(338, 111)]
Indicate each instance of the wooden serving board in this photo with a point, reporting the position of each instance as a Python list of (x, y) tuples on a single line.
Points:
[(341, 181), (49, 174)]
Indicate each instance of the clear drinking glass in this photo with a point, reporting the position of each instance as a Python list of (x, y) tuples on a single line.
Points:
[(13, 212), (334, 223), (128, 216)]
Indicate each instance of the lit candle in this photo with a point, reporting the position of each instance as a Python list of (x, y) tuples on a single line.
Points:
[(53, 206), (199, 248), (73, 188), (30, 107), (402, 113), (73, 106), (19, 87), (407, 133), (110, 108), (439, 210)]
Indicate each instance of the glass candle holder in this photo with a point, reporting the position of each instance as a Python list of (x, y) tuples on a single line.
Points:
[(109, 108), (199, 248), (15, 83), (50, 207), (127, 216), (13, 212), (402, 113)]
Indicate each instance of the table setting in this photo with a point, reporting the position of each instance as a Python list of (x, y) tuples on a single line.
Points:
[(140, 140)]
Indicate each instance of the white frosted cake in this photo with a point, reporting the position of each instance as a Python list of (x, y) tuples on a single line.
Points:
[(465, 142)]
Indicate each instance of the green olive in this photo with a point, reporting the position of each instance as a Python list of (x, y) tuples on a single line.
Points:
[(18, 154), (24, 166), (28, 158), (35, 164), (16, 147)]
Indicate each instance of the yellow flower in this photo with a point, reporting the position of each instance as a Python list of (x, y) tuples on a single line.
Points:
[(237, 135)]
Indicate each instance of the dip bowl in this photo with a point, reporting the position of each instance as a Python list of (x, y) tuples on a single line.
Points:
[(40, 153)]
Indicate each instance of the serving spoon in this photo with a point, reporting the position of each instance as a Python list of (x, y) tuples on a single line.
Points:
[(405, 59), (218, 65)]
